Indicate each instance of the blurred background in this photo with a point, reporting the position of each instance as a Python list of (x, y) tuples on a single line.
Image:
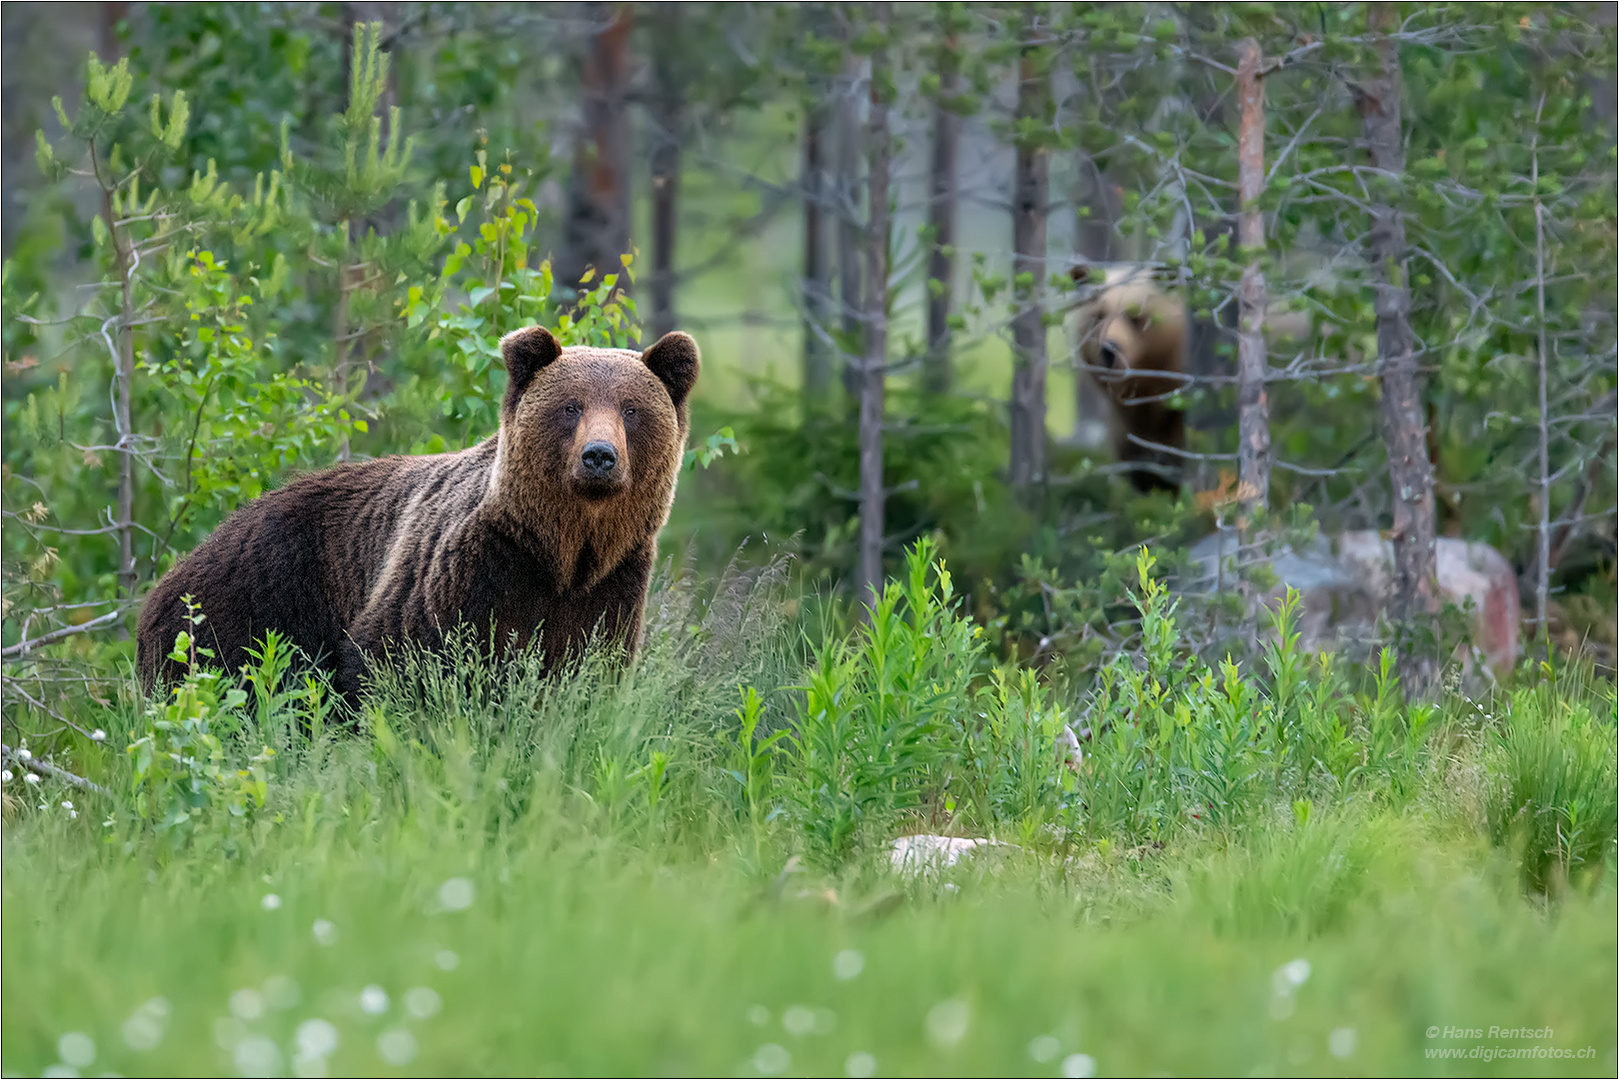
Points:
[(251, 239)]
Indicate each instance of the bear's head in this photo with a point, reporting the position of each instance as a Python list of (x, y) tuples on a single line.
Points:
[(1131, 337), (1127, 328), (593, 437)]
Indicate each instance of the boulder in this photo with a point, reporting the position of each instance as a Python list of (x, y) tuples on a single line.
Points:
[(1345, 585), (926, 852)]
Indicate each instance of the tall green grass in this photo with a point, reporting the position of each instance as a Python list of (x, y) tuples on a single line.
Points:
[(682, 867)]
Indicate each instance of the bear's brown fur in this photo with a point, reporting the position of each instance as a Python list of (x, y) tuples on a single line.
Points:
[(551, 524), (1132, 338)]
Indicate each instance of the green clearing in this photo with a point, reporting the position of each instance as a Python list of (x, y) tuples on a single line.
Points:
[(621, 875)]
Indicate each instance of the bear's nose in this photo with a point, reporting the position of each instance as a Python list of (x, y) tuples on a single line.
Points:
[(1110, 355), (599, 458)]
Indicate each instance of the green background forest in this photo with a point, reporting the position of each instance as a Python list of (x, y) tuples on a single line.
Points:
[(907, 587)]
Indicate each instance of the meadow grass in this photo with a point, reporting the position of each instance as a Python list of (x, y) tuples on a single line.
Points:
[(606, 874), (550, 948)]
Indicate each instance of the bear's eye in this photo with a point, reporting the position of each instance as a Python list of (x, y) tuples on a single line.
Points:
[(571, 409), (629, 412)]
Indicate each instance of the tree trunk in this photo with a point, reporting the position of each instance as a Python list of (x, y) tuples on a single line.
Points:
[(851, 298), (124, 383), (875, 357), (668, 127), (1028, 419), (340, 328), (1096, 211), (1209, 413), (596, 230), (942, 221), (1415, 598), (817, 381), (1253, 402), (1543, 493), (112, 13)]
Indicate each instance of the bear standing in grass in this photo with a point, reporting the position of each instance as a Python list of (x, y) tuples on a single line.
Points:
[(551, 525), (1132, 337)]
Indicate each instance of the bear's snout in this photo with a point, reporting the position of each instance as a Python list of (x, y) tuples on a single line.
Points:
[(1111, 357), (599, 460), (601, 464)]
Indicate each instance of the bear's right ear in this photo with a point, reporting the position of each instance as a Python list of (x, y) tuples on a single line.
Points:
[(674, 359), (526, 351)]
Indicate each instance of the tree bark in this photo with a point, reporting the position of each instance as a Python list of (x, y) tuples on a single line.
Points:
[(1028, 413), (1094, 242), (1415, 598), (124, 381), (1543, 538), (596, 230), (875, 358), (817, 379), (340, 327), (668, 116), (851, 298), (1253, 402), (942, 221)]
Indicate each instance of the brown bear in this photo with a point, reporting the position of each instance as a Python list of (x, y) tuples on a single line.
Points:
[(1131, 337), (551, 525)]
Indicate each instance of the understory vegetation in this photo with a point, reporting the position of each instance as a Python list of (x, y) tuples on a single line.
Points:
[(686, 866)]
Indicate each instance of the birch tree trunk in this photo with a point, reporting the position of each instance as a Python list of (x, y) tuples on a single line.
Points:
[(942, 220), (872, 494), (1253, 402), (1415, 598), (1030, 191), (124, 385)]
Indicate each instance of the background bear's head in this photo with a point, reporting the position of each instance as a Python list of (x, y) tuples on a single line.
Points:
[(1132, 339), (1127, 326), (597, 432)]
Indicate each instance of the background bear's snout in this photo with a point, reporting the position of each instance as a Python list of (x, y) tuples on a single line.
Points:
[(600, 459)]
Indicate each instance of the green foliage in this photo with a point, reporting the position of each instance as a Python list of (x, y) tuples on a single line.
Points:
[(184, 771), (882, 713), (1178, 743), (1553, 788), (749, 758)]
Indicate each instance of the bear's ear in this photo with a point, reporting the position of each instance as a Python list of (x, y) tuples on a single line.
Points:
[(526, 351), (674, 359)]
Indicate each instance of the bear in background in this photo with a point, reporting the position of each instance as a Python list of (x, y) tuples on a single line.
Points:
[(1131, 337), (549, 526)]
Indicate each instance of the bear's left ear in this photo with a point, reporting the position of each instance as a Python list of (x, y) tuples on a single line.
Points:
[(525, 351), (674, 359)]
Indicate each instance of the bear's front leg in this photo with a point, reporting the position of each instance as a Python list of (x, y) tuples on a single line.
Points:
[(619, 599), (350, 671)]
